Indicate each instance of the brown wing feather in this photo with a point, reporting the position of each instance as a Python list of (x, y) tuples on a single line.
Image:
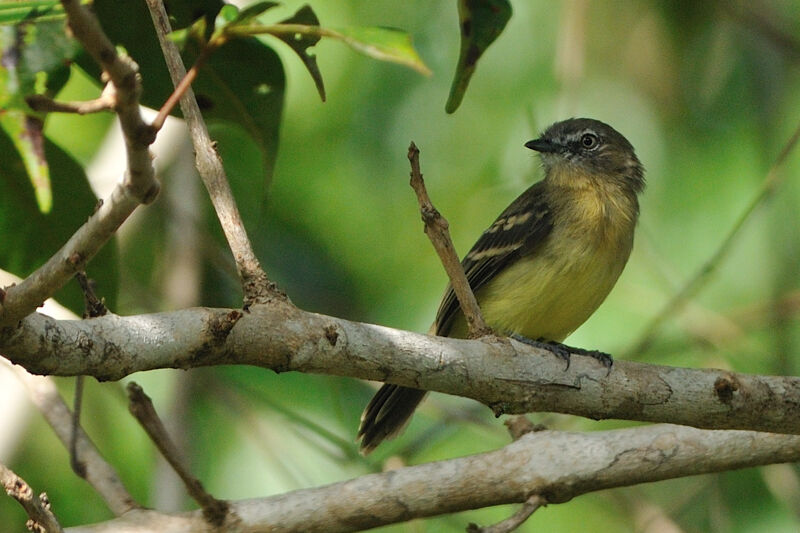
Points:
[(518, 231)]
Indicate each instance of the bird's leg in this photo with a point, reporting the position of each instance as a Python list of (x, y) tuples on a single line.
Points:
[(563, 351)]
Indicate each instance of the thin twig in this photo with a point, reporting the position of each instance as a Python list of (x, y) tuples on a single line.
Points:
[(763, 23), (436, 228), (44, 395), (520, 425), (101, 475), (105, 102), (696, 282), (77, 407), (42, 519), (255, 284), (514, 521), (182, 87), (141, 407), (94, 307)]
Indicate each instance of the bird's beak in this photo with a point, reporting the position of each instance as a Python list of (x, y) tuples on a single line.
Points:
[(542, 145)]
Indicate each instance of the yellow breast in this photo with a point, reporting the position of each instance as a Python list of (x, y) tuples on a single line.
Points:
[(550, 292)]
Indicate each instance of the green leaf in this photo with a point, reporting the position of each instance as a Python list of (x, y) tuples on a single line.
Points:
[(301, 43), (35, 61), (30, 237), (482, 21), (17, 12), (196, 32), (243, 83), (385, 44), (229, 13), (252, 11), (26, 134)]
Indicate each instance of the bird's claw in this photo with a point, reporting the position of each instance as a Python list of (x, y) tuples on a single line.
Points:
[(564, 352)]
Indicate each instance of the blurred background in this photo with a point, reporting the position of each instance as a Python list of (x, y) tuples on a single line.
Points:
[(707, 92)]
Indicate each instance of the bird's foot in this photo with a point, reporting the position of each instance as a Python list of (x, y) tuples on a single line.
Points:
[(562, 351)]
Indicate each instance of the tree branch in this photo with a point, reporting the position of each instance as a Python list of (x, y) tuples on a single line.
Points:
[(123, 72), (141, 407), (255, 284), (437, 230), (98, 473), (105, 102), (42, 519), (510, 377), (555, 465), (44, 395), (139, 185), (533, 504)]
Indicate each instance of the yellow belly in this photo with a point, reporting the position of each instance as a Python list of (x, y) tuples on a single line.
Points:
[(548, 295), (551, 291)]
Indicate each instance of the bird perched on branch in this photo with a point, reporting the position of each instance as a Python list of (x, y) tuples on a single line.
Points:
[(547, 262)]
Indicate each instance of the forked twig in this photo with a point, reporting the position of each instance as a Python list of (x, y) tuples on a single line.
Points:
[(437, 230)]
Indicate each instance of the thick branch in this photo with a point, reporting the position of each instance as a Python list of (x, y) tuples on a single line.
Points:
[(510, 377), (556, 465)]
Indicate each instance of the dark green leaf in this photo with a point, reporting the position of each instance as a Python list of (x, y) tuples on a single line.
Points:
[(26, 133), (30, 237), (301, 43), (482, 21), (35, 61), (230, 16), (243, 83), (254, 10)]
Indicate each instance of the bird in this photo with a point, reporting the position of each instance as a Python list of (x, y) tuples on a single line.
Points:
[(547, 262)]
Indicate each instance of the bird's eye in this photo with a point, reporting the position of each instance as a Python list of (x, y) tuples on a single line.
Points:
[(589, 141)]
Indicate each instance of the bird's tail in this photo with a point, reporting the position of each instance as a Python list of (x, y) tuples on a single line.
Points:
[(387, 414)]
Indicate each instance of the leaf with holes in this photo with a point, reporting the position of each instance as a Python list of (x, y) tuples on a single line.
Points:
[(301, 43)]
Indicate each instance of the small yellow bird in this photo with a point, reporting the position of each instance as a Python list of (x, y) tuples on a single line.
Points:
[(547, 262)]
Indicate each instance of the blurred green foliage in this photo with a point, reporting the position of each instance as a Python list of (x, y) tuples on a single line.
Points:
[(706, 92)]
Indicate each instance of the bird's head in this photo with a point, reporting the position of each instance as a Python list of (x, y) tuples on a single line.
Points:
[(587, 148)]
